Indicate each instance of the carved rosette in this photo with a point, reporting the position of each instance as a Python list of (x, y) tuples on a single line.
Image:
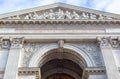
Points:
[(17, 42)]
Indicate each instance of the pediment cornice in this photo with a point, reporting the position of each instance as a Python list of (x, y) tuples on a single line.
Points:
[(59, 11), (60, 22)]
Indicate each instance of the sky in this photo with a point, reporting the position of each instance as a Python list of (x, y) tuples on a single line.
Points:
[(112, 6)]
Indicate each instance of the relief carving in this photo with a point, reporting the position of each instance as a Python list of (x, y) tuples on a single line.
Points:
[(114, 43), (17, 42), (104, 41), (90, 48), (108, 41), (29, 50), (93, 50), (61, 14), (5, 43)]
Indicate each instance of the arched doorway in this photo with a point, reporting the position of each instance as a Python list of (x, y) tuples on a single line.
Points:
[(61, 64), (54, 53)]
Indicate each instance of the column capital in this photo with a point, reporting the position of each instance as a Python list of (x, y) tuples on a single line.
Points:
[(114, 42), (5, 43), (103, 41), (17, 42)]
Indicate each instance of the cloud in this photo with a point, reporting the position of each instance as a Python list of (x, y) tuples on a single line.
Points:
[(112, 6), (76, 2)]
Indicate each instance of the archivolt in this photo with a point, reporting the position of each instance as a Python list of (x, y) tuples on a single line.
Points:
[(38, 56)]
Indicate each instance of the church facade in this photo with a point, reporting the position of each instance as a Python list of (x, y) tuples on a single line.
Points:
[(59, 41)]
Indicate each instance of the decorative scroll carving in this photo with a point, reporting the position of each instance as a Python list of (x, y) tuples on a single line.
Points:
[(61, 14), (17, 42)]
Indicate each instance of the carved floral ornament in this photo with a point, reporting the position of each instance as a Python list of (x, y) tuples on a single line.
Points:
[(107, 41), (61, 14)]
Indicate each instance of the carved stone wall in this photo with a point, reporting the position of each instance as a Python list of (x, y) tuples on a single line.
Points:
[(91, 48), (29, 50)]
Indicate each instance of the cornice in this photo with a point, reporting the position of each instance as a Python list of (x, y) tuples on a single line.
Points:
[(2, 22)]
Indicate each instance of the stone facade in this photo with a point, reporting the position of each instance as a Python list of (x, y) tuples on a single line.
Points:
[(59, 41)]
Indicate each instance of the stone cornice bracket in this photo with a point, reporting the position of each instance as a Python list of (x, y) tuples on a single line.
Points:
[(61, 43), (5, 43), (17, 42), (103, 41)]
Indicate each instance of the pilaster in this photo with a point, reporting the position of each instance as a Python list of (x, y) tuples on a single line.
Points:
[(11, 70), (106, 44)]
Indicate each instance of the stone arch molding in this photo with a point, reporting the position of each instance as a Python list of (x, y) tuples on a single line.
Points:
[(34, 61)]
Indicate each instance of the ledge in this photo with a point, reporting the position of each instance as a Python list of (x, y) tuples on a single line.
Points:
[(15, 21)]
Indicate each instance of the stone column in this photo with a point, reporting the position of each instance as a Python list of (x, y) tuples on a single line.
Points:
[(106, 49), (4, 50), (11, 70)]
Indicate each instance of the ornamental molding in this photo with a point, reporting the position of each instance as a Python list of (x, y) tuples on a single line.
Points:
[(5, 43), (93, 70), (103, 22), (114, 42), (90, 48), (29, 71), (16, 42)]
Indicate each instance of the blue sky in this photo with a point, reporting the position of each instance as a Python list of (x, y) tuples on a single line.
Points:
[(112, 6)]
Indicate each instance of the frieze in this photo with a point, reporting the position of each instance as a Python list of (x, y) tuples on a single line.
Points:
[(61, 14)]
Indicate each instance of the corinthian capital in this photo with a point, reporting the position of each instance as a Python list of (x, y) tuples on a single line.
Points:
[(114, 42), (17, 42), (5, 43), (104, 41)]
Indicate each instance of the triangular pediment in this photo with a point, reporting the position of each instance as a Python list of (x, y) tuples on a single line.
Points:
[(60, 11)]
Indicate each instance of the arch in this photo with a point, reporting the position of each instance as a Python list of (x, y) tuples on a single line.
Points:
[(66, 71), (34, 62)]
